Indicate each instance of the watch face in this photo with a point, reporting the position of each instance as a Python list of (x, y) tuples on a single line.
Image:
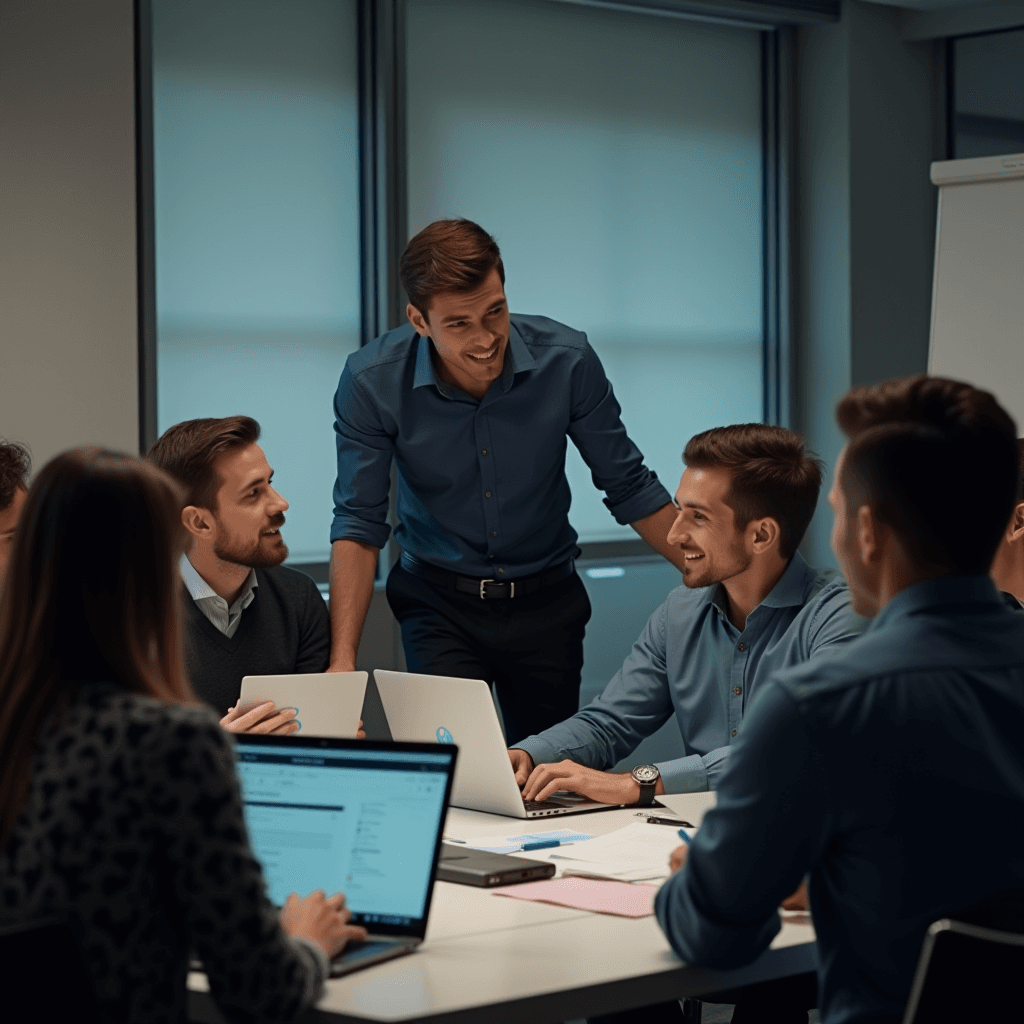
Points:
[(646, 773)]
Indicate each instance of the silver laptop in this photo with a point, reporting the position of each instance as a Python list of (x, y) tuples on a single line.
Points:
[(447, 710), (326, 703), (350, 816)]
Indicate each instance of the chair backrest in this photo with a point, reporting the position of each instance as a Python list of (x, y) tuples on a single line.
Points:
[(43, 977), (966, 973)]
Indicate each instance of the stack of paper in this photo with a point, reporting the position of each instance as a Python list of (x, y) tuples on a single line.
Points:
[(636, 853), (601, 897)]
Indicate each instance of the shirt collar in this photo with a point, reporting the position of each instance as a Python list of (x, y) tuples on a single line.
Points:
[(791, 589), (200, 589), (789, 592), (517, 359), (945, 591)]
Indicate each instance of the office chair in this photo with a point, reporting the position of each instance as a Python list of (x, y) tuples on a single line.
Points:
[(43, 977), (970, 969)]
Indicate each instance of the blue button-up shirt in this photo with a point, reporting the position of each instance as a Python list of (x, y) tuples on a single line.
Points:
[(894, 773), (691, 660), (481, 485)]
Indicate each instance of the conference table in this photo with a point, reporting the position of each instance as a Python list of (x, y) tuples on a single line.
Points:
[(494, 959)]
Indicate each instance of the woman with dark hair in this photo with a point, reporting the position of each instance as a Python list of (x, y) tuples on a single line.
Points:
[(120, 810)]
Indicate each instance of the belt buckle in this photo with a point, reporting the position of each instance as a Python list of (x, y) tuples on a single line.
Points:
[(511, 587)]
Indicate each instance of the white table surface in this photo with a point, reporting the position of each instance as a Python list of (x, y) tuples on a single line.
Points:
[(493, 959)]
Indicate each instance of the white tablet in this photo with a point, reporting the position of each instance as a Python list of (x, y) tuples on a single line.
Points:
[(327, 703)]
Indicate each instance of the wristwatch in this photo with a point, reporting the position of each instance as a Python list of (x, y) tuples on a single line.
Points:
[(647, 775)]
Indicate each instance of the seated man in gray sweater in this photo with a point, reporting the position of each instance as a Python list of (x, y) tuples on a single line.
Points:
[(749, 606), (245, 612)]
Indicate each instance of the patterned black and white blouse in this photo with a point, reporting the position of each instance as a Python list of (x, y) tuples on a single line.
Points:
[(133, 833)]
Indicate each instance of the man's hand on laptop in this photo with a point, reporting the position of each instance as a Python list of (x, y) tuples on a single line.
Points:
[(604, 787), (264, 718), (322, 919), (522, 765)]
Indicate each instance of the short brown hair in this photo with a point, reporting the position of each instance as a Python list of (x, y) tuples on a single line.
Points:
[(447, 256), (938, 462), (189, 452), (15, 465), (773, 474)]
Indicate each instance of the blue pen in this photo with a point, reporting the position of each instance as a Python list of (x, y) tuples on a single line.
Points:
[(542, 845), (685, 838)]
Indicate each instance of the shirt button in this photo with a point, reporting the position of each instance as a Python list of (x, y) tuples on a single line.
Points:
[(484, 452), (733, 733), (736, 690), (487, 494), (494, 533), (739, 647)]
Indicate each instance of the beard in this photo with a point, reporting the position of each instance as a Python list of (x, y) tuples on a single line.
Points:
[(707, 572), (257, 554)]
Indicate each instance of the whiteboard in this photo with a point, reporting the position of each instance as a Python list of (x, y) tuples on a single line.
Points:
[(977, 331)]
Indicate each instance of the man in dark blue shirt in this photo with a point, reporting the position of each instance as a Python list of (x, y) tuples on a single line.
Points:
[(1008, 565), (848, 769), (475, 406)]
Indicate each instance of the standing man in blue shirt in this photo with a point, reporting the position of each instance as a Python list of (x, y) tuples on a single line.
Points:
[(846, 767), (474, 406), (749, 605)]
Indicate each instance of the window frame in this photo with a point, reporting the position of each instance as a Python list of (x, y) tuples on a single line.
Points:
[(381, 28)]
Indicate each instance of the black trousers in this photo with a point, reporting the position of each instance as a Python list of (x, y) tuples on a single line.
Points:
[(529, 648)]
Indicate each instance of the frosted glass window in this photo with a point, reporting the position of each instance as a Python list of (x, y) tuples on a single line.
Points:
[(256, 181), (617, 159)]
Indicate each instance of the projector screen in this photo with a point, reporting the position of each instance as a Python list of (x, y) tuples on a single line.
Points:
[(977, 332)]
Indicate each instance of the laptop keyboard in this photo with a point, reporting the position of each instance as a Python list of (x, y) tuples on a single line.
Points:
[(543, 805)]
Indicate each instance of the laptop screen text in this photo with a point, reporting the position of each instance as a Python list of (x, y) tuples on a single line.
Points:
[(364, 823)]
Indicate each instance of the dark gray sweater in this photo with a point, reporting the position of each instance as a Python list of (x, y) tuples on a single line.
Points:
[(285, 630)]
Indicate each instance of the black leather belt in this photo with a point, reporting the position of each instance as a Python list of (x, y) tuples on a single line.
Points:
[(489, 590)]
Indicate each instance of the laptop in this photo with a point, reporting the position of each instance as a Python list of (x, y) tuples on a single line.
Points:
[(447, 710), (327, 703), (352, 816)]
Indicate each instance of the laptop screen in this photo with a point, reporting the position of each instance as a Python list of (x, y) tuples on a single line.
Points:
[(348, 816)]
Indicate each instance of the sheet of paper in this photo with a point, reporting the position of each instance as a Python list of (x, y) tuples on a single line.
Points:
[(601, 897), (691, 806), (633, 853), (508, 844)]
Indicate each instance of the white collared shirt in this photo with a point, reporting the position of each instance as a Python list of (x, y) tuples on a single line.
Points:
[(211, 604)]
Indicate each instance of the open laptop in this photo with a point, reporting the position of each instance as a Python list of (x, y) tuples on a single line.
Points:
[(447, 710), (351, 816), (326, 703)]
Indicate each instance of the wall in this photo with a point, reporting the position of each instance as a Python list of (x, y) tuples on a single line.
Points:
[(68, 334), (864, 209)]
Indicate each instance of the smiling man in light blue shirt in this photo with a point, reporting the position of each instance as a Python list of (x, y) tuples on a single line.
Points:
[(750, 605)]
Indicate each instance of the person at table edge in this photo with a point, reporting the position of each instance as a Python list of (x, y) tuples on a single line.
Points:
[(474, 405), (749, 605), (847, 769)]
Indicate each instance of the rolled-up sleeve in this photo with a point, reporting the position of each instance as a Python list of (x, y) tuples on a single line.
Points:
[(365, 450), (635, 704), (753, 849), (694, 773), (616, 464)]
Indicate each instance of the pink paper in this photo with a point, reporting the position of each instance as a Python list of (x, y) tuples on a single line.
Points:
[(602, 897)]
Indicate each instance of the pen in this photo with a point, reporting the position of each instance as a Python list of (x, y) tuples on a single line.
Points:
[(685, 838), (655, 820), (542, 845)]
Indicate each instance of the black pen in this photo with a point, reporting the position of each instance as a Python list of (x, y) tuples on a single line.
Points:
[(654, 820)]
